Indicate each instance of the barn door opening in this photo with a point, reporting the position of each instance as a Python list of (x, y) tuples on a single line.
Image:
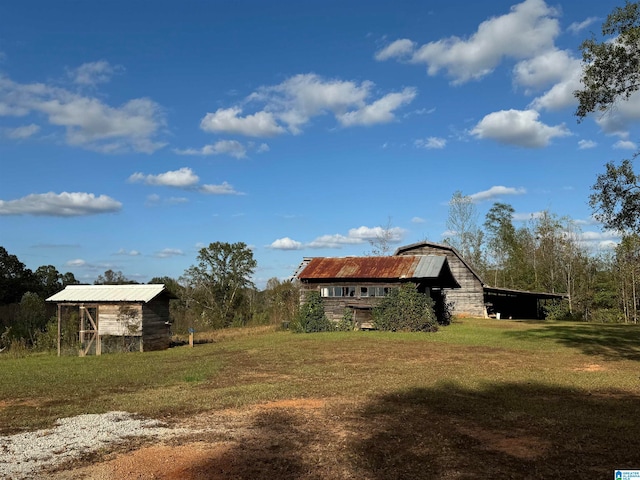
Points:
[(89, 336)]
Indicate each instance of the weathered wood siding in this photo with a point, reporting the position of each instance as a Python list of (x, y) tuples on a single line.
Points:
[(469, 298), (150, 322), (111, 322), (334, 307), (155, 325)]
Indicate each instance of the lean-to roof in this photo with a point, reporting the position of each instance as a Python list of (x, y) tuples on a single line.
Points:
[(109, 293)]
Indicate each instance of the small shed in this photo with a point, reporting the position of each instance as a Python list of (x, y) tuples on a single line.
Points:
[(358, 283), (138, 311)]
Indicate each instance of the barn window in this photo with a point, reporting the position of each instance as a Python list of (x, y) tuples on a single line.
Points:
[(378, 291), (338, 292)]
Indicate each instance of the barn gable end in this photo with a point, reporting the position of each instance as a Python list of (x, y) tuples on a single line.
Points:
[(469, 298)]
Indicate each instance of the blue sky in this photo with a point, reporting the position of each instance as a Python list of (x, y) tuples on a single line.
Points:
[(134, 133)]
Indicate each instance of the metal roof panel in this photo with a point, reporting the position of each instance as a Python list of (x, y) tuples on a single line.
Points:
[(108, 293), (406, 266)]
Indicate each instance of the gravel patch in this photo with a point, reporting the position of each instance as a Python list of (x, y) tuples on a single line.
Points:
[(24, 454)]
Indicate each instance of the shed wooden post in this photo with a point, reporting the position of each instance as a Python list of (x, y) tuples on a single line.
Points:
[(59, 329)]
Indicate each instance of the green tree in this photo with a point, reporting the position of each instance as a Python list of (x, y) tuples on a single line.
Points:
[(282, 300), (48, 279), (611, 73), (112, 277), (405, 309), (216, 285), (32, 318), (15, 278), (311, 317), (501, 238), (465, 234)]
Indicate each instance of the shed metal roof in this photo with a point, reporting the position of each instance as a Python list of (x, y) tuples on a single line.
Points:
[(109, 293), (378, 268)]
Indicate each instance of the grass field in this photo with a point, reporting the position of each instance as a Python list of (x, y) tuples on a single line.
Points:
[(478, 399)]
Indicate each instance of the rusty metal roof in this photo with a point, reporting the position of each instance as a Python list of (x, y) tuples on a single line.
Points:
[(378, 268), (109, 293)]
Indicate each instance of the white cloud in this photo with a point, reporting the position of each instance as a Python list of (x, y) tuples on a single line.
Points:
[(222, 189), (602, 240), (577, 27), (617, 121), (625, 145), (357, 236), (400, 49), (23, 132), (496, 191), (294, 102), (586, 144), (418, 220), (93, 73), (76, 262), (286, 244), (227, 120), (393, 234), (232, 148), (542, 70), (169, 252), (88, 122), (182, 178), (63, 204), (518, 127), (334, 241), (530, 28), (558, 68), (128, 253), (561, 94), (380, 111), (431, 143)]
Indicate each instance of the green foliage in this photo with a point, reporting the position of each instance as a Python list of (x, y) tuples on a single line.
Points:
[(15, 278), (405, 309), (557, 311), (216, 287), (281, 301), (112, 277), (346, 323), (612, 72), (311, 317), (47, 339), (611, 67), (607, 315), (32, 318)]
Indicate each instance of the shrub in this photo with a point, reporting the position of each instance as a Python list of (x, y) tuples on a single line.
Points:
[(311, 317), (346, 323), (405, 309)]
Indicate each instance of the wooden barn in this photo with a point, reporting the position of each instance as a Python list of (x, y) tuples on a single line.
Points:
[(357, 283), (474, 298), (138, 312), (469, 298)]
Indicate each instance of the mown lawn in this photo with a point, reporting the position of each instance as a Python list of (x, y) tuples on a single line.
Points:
[(478, 399)]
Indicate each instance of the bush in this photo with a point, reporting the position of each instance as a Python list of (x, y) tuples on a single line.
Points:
[(311, 317), (405, 309), (557, 310), (346, 323)]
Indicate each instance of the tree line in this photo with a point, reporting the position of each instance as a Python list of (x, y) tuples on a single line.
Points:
[(216, 292)]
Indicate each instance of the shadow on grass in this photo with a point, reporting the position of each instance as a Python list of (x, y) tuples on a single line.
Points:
[(519, 431), (616, 342), (271, 449), (502, 431)]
